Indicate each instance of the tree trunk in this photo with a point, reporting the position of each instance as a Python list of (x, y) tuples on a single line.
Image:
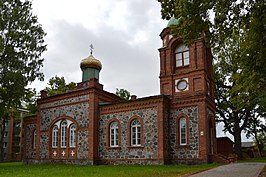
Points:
[(237, 138), (260, 146), (2, 139)]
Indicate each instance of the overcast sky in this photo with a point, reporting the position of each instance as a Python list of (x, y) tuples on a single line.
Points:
[(125, 35)]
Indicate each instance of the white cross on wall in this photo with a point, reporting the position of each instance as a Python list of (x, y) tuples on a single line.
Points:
[(63, 153), (72, 153), (54, 153)]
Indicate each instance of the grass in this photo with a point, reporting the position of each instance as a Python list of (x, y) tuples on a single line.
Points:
[(17, 169), (261, 159)]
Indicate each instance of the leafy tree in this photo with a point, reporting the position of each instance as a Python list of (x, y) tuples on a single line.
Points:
[(58, 85), (21, 46), (257, 129), (123, 93), (31, 102), (235, 31)]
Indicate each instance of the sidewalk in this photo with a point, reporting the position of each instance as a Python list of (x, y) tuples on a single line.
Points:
[(250, 169)]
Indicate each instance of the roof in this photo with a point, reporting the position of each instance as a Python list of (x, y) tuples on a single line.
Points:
[(173, 21)]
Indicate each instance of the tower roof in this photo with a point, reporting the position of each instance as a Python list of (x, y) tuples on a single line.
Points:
[(173, 21), (90, 62)]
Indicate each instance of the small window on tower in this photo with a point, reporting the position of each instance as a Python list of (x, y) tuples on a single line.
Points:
[(181, 85), (182, 55)]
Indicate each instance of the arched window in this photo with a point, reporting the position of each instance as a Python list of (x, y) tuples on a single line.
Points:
[(135, 133), (114, 134), (64, 134), (182, 55), (72, 133), (34, 139), (183, 131), (55, 137)]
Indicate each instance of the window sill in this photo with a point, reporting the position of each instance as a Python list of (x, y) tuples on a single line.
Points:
[(183, 66), (135, 147), (114, 148)]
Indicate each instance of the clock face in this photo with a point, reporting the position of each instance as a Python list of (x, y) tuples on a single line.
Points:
[(182, 85)]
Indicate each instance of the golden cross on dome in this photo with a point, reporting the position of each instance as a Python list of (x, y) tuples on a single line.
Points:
[(91, 48)]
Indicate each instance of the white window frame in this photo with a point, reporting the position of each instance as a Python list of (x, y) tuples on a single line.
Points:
[(183, 52), (55, 137), (182, 131), (5, 145), (135, 133), (114, 134), (72, 134), (63, 134)]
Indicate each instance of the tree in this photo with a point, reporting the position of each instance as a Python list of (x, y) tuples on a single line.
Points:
[(21, 46), (257, 129), (58, 85), (234, 30), (123, 93)]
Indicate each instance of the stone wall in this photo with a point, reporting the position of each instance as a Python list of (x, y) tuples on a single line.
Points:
[(75, 108), (124, 154), (30, 152), (177, 153)]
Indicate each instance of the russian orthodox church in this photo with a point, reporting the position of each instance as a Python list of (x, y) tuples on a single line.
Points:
[(89, 125)]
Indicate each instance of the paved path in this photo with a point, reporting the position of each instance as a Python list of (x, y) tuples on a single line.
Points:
[(251, 169)]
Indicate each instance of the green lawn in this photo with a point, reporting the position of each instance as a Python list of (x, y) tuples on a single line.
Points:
[(261, 159), (17, 169)]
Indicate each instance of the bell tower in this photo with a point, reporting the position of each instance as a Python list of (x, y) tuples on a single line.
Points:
[(186, 76), (185, 71)]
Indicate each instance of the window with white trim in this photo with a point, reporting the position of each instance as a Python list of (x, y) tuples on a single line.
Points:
[(5, 145), (135, 133), (64, 134), (55, 137), (114, 134), (182, 55), (183, 131), (72, 133)]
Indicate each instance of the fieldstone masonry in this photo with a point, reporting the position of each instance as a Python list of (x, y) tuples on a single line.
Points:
[(149, 148), (30, 151), (189, 151)]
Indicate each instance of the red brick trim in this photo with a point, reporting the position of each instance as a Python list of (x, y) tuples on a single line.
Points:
[(32, 139), (129, 132), (177, 130), (60, 149), (108, 133), (64, 104)]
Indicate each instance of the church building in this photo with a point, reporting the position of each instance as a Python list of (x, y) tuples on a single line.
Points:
[(89, 125)]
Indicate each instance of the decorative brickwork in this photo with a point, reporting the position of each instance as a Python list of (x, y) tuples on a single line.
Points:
[(78, 112), (65, 101)]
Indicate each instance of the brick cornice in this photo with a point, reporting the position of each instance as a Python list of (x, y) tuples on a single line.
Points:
[(142, 103), (66, 95), (187, 101), (30, 119)]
